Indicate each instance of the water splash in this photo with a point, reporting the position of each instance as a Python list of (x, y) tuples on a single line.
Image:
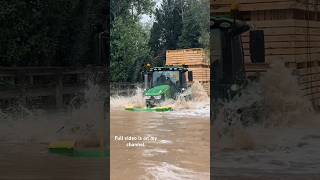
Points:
[(283, 98), (24, 125), (137, 100), (198, 105), (272, 103), (275, 100), (85, 121), (199, 98)]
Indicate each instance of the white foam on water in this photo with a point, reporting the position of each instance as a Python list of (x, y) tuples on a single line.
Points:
[(154, 152), (172, 172)]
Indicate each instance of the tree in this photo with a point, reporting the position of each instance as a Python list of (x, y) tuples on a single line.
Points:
[(166, 29), (191, 31), (155, 39), (130, 8), (129, 49), (170, 21), (202, 11), (50, 32), (180, 24), (129, 40)]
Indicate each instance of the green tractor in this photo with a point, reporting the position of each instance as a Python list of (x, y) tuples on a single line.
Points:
[(163, 83)]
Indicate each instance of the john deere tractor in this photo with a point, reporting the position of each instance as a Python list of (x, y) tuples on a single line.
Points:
[(163, 83)]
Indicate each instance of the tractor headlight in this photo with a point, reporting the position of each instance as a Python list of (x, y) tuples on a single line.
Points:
[(225, 25), (147, 97), (157, 97)]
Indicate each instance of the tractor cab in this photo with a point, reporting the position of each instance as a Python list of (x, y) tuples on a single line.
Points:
[(163, 83), (227, 59), (228, 71)]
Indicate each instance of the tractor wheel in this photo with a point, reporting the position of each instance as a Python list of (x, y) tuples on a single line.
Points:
[(149, 104)]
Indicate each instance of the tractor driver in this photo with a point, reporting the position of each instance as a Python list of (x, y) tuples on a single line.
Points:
[(161, 79), (173, 86)]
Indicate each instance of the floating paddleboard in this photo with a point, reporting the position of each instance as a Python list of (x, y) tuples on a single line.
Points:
[(67, 148), (144, 109), (79, 153)]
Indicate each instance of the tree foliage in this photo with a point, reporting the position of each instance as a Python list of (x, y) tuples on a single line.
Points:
[(167, 26), (202, 14), (191, 31), (50, 32), (65, 32), (130, 8), (129, 39), (129, 49), (180, 24)]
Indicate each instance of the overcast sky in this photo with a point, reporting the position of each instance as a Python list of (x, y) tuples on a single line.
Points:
[(147, 18)]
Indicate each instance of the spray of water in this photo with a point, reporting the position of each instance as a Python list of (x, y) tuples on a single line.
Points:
[(275, 101), (194, 101), (21, 124), (136, 100), (38, 126), (198, 98), (283, 98), (85, 122)]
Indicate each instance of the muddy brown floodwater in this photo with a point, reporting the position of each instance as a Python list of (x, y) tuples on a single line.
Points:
[(24, 152), (31, 161), (180, 152), (26, 133)]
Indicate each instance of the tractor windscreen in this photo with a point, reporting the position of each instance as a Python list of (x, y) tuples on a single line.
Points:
[(165, 77)]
